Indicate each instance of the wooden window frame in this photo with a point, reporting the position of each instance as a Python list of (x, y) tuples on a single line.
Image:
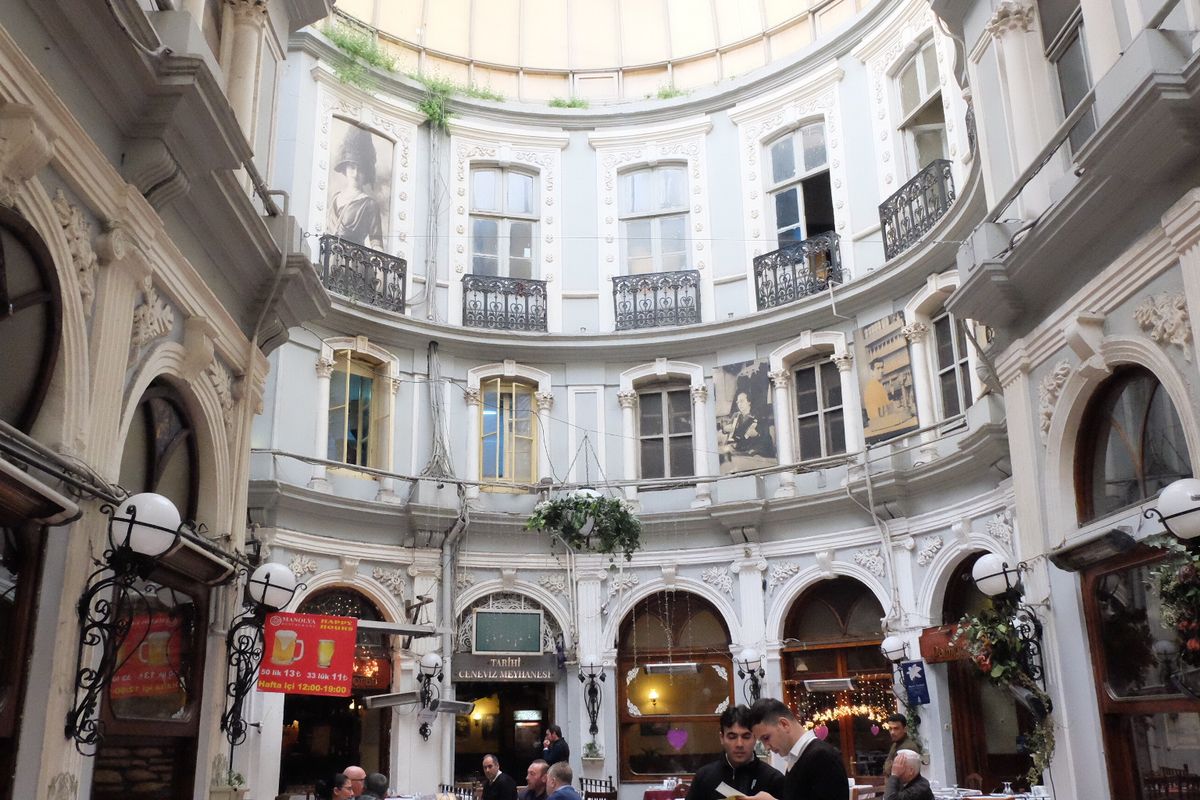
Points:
[(656, 217), (356, 364), (818, 366), (797, 180), (666, 436), (510, 387), (504, 219), (960, 366)]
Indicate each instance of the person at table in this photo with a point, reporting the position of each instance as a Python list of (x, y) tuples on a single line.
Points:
[(558, 782), (496, 784), (357, 777), (897, 725), (814, 768), (375, 786), (738, 767), (906, 781), (554, 747), (535, 781)]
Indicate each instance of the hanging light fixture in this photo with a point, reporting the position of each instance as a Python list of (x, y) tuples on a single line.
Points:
[(429, 670), (749, 667), (1177, 508), (591, 675)]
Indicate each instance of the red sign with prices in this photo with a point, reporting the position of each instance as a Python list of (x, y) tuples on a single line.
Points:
[(150, 658), (308, 654)]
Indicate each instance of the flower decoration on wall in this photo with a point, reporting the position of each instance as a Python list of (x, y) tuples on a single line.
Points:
[(1177, 581), (586, 520)]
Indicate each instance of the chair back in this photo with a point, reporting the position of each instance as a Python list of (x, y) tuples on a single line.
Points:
[(598, 788)]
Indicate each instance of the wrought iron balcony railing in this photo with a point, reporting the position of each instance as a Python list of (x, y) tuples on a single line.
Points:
[(363, 274), (909, 214), (656, 299), (504, 304), (797, 270)]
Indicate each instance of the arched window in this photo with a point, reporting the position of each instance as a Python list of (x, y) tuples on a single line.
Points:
[(508, 433), (674, 680), (503, 222), (833, 632), (1131, 444), (654, 215), (801, 197), (922, 118)]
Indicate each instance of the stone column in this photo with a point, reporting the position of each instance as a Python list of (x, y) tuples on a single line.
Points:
[(781, 379), (628, 400), (700, 461), (851, 406), (318, 480), (387, 485), (917, 332), (249, 20), (752, 600), (474, 401), (545, 402)]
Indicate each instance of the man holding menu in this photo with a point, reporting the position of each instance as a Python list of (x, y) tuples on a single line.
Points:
[(738, 769), (814, 768)]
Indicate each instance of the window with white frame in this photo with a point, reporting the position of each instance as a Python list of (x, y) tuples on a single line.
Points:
[(665, 432), (820, 416), (922, 118), (1062, 36), (653, 207), (508, 433), (357, 412), (801, 197), (951, 358), (503, 222)]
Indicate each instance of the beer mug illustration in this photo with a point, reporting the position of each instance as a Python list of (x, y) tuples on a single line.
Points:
[(288, 648), (153, 650), (325, 653)]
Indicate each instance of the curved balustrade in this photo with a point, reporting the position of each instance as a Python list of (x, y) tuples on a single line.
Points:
[(363, 274), (916, 206), (656, 299), (505, 304), (797, 270)]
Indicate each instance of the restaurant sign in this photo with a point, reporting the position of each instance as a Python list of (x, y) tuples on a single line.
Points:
[(938, 647), (308, 654), (505, 668)]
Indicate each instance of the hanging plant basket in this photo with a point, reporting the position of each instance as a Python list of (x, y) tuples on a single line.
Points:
[(589, 521)]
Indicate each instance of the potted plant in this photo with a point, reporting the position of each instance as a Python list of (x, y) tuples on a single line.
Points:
[(592, 751), (227, 786), (587, 520)]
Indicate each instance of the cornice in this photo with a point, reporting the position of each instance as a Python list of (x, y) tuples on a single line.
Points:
[(884, 36), (642, 135), (324, 75), (820, 79), (514, 136)]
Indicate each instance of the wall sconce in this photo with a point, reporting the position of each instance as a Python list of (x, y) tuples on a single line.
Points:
[(591, 675), (1176, 508), (270, 588), (894, 649), (429, 670), (653, 698), (749, 666), (995, 578), (143, 527)]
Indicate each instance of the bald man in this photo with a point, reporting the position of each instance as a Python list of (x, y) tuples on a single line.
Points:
[(358, 778), (907, 782)]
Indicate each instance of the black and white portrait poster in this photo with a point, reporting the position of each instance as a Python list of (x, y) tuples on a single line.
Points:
[(886, 379), (745, 416), (360, 184)]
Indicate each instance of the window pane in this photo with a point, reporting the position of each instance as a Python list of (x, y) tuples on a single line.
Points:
[(1164, 445), (812, 138), (681, 456), (651, 410), (522, 459), (949, 385), (485, 189), (787, 209), (485, 236), (945, 345), (520, 193), (680, 409), (831, 385), (523, 416), (674, 187), (931, 145), (783, 160), (639, 246), (809, 433), (639, 192), (835, 433), (818, 204), (806, 390), (520, 239), (910, 90), (1072, 75), (652, 458), (929, 57), (647, 750), (673, 240)]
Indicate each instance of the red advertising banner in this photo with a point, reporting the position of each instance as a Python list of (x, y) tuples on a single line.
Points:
[(150, 658), (308, 654)]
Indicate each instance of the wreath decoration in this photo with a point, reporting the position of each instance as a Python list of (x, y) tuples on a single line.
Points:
[(587, 520)]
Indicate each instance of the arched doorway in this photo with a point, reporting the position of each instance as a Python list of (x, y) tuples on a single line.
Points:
[(835, 679), (674, 678), (988, 725), (324, 735)]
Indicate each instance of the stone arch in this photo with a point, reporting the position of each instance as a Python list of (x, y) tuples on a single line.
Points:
[(932, 594), (369, 588), (807, 578), (612, 625), (662, 368), (549, 602), (509, 369)]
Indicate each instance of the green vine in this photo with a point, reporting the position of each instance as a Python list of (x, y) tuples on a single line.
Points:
[(568, 102), (362, 50), (614, 530), (434, 105), (994, 643)]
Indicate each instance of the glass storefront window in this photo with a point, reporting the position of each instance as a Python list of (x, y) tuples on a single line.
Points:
[(670, 748)]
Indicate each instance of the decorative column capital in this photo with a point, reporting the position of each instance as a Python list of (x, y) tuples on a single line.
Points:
[(1011, 15), (699, 394), (843, 361), (248, 11), (392, 383), (627, 398), (915, 332), (324, 367), (473, 397), (545, 400), (780, 378)]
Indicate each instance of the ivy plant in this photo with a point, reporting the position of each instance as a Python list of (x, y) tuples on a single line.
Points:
[(613, 528)]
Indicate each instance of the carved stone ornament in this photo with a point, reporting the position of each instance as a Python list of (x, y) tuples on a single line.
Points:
[(222, 382), (915, 332), (392, 579), (843, 361), (718, 578), (248, 10), (1048, 391), (633, 710), (79, 241), (554, 584), (1164, 318), (779, 574), (1011, 15), (153, 318), (870, 559), (472, 396), (825, 563), (627, 398), (301, 566), (324, 367), (545, 400), (464, 581), (931, 548), (24, 149), (780, 378), (1000, 528), (63, 786), (699, 394), (621, 582)]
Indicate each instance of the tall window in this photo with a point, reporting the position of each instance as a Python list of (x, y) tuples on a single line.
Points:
[(674, 678), (1062, 36), (354, 412), (665, 433), (801, 198), (503, 222), (1131, 444), (509, 432), (922, 118), (820, 421), (953, 370), (654, 215)]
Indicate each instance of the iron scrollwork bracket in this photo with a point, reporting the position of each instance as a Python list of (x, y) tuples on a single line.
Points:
[(591, 681)]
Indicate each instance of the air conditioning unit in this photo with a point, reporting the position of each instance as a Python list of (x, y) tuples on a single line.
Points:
[(829, 685), (671, 668)]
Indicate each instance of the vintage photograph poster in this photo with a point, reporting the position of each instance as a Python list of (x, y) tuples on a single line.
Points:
[(745, 416), (885, 378), (360, 185)]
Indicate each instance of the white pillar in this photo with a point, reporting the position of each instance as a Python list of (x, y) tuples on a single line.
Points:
[(474, 401), (917, 332), (387, 485), (851, 406), (321, 448), (249, 20), (700, 459), (752, 601), (781, 379), (629, 442), (545, 402)]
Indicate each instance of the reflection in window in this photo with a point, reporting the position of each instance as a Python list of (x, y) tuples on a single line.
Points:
[(153, 676), (509, 438), (352, 411), (654, 214), (665, 433), (801, 198), (820, 424), (1062, 36), (503, 222), (1131, 444)]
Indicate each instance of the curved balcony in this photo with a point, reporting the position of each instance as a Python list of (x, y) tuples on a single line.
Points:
[(657, 299), (363, 274), (911, 212), (504, 304), (797, 270)]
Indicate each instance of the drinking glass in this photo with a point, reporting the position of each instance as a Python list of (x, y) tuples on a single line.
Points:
[(1008, 787)]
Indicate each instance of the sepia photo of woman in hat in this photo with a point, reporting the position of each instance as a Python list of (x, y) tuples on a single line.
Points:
[(354, 214)]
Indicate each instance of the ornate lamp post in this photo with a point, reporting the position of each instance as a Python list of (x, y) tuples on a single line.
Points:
[(749, 667), (591, 675), (429, 670)]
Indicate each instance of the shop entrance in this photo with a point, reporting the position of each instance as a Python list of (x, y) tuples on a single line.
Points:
[(509, 721)]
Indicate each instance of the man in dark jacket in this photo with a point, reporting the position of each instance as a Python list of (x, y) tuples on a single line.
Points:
[(907, 782), (897, 725), (814, 769), (738, 768), (554, 747), (497, 785)]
